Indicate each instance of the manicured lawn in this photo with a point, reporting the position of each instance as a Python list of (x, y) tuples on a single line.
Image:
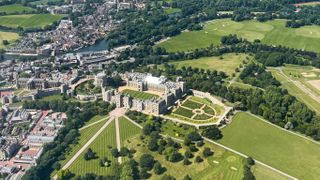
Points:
[(101, 147), (9, 36), (192, 104), (271, 32), (127, 130), (95, 119), (15, 8), (138, 94), (174, 129), (85, 135), (273, 146), (44, 2), (29, 21), (262, 173), (172, 10), (208, 110), (52, 97), (184, 112), (226, 63), (88, 87)]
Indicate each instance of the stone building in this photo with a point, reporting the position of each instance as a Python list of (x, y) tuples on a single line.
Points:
[(36, 83), (170, 91)]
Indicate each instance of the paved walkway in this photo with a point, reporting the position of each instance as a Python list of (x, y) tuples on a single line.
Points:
[(91, 124), (118, 139)]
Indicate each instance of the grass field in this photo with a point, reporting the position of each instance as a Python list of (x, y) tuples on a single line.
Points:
[(15, 8), (9, 36), (226, 63), (100, 147), (262, 173), (271, 32), (85, 135), (138, 94), (44, 2), (297, 92), (206, 170), (172, 10), (282, 150), (127, 130), (29, 21)]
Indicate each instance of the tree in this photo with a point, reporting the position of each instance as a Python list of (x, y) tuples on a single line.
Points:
[(167, 177), (126, 171), (144, 174), (65, 175), (200, 143), (115, 152), (188, 154), (187, 177), (186, 161), (187, 141), (194, 136), (207, 152), (198, 159), (146, 161), (89, 155), (250, 161), (124, 151), (5, 42), (158, 169), (212, 132), (193, 148), (56, 165)]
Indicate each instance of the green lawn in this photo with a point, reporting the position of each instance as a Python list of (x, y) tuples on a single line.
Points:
[(100, 147), (95, 119), (271, 32), (183, 112), (285, 151), (127, 129), (138, 94), (88, 87), (192, 104), (44, 2), (226, 63), (16, 8), (85, 135), (262, 173), (29, 21), (172, 10), (9, 36)]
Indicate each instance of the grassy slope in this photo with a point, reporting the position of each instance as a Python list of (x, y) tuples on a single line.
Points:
[(100, 147), (282, 150), (28, 21), (9, 36), (271, 32), (15, 8), (228, 64)]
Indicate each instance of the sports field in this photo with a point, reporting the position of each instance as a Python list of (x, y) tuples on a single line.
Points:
[(9, 36), (29, 21), (280, 149), (226, 63), (271, 32), (15, 8), (100, 146), (138, 94)]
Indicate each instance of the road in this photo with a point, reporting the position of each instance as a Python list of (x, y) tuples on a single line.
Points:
[(118, 139)]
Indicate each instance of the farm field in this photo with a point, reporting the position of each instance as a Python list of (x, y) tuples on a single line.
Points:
[(296, 91), (273, 146), (29, 21), (127, 130), (101, 147), (15, 8), (270, 32), (9, 36), (226, 63), (138, 94)]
